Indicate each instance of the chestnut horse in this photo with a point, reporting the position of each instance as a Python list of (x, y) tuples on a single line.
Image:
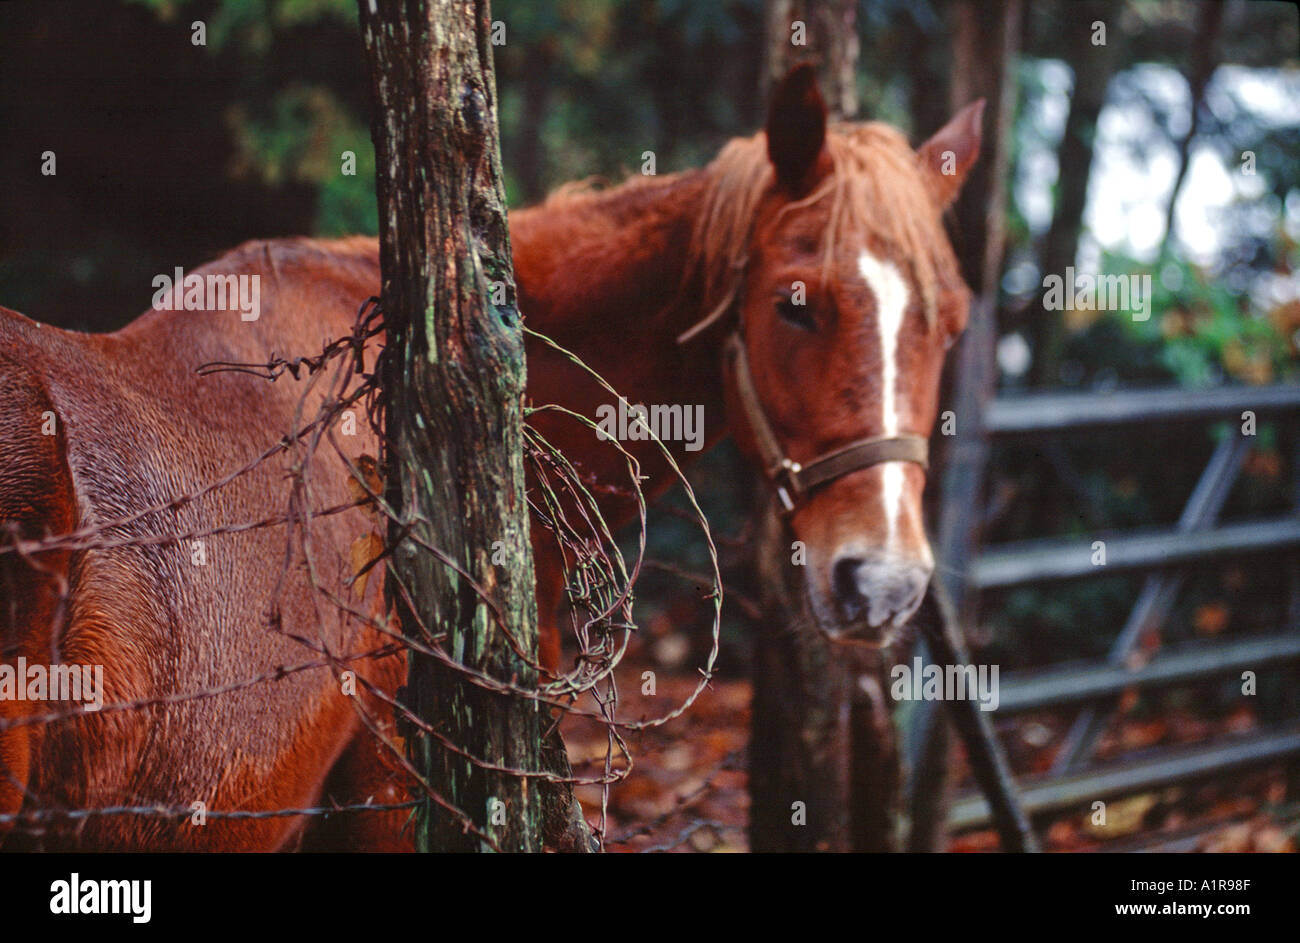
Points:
[(800, 288)]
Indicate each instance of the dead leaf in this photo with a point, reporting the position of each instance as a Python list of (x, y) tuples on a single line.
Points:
[(1234, 839), (365, 481), (1211, 618), (366, 549), (704, 839), (1270, 840), (1123, 816)]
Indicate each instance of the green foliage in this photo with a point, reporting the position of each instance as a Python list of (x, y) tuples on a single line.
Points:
[(1200, 332), (301, 137), (251, 24), (294, 133)]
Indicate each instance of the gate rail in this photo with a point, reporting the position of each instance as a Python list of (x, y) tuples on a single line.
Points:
[(1075, 779)]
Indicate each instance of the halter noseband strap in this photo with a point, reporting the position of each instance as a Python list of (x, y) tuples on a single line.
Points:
[(792, 480)]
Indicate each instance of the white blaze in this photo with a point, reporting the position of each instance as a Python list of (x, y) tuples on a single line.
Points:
[(891, 305)]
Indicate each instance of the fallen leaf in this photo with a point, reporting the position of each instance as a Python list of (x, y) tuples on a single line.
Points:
[(1211, 618), (1123, 816), (365, 481), (366, 549), (1234, 839), (1270, 839)]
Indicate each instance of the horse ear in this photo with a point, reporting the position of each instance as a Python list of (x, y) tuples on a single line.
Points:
[(948, 156), (796, 129)]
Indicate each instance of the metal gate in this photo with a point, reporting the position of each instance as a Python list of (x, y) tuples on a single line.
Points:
[(1076, 779)]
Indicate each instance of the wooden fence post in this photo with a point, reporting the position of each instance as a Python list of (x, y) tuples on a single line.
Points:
[(453, 391)]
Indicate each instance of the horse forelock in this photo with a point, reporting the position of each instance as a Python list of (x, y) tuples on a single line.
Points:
[(875, 192)]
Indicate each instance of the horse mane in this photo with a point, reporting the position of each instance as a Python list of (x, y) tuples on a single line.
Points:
[(876, 190)]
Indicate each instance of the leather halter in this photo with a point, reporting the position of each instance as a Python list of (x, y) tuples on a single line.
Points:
[(793, 480)]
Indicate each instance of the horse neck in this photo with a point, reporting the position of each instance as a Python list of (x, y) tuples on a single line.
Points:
[(605, 275)]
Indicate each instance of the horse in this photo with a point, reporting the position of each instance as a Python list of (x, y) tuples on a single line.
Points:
[(800, 288)]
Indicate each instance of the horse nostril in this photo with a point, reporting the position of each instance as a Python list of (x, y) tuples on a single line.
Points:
[(847, 593), (882, 589)]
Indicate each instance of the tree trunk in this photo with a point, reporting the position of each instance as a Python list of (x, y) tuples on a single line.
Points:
[(453, 383), (1093, 67), (820, 31), (823, 767), (530, 160), (985, 41), (1208, 22)]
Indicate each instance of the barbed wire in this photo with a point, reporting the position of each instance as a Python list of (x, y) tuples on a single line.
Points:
[(187, 812), (345, 375)]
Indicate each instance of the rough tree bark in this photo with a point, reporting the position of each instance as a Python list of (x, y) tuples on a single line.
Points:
[(453, 391)]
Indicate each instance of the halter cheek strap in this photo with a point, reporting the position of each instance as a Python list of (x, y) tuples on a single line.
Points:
[(792, 480)]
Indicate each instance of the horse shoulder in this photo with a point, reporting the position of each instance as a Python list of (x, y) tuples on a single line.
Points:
[(35, 487), (36, 499)]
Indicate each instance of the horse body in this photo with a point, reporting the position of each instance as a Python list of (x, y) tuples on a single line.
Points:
[(617, 276), (135, 429)]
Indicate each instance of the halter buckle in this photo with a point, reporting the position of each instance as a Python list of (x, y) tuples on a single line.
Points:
[(786, 481)]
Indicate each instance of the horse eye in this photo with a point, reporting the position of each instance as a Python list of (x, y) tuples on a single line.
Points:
[(798, 315)]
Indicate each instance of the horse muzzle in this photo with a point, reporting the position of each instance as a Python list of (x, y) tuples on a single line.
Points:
[(875, 594)]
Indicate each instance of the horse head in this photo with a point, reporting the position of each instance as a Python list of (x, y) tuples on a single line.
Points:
[(828, 241)]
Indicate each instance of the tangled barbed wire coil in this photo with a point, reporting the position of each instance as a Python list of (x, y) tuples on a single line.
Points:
[(345, 376)]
